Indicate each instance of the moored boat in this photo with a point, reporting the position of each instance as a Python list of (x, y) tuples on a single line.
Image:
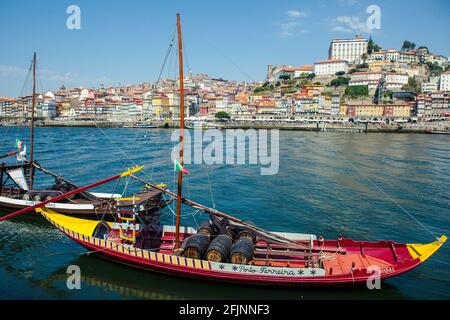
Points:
[(18, 183), (437, 132), (225, 248), (15, 194), (304, 260)]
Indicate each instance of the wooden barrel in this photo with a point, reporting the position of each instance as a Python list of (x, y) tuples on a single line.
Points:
[(242, 251), (196, 246), (26, 197), (206, 228), (219, 248), (231, 232), (246, 234)]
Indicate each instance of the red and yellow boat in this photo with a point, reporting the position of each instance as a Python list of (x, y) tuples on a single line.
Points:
[(308, 260), (225, 248)]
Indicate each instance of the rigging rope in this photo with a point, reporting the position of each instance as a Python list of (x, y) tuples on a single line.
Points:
[(386, 195), (230, 60), (210, 188), (169, 50)]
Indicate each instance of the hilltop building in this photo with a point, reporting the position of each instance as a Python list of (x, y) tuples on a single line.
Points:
[(350, 50)]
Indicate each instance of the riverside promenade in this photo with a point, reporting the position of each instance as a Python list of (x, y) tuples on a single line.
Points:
[(421, 127)]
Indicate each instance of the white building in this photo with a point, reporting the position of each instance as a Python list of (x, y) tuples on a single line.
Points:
[(393, 80), (330, 67), (395, 56), (370, 79), (350, 50), (437, 59), (428, 87), (445, 81), (432, 85), (275, 72)]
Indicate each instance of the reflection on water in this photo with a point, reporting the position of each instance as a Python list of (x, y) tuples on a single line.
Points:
[(317, 190)]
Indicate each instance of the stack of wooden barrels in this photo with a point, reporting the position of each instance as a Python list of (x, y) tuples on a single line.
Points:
[(230, 245)]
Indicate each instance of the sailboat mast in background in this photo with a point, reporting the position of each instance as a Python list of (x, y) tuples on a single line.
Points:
[(33, 103)]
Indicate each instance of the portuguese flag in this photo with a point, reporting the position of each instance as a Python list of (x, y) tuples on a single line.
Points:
[(19, 144), (178, 167)]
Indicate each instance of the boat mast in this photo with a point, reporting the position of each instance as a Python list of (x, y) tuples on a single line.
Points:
[(33, 103), (180, 173)]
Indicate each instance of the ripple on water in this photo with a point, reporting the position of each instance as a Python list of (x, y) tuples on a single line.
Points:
[(316, 190)]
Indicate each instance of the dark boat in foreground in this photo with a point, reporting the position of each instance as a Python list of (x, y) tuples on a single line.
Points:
[(15, 194)]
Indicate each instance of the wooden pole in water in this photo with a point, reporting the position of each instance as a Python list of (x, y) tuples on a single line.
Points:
[(33, 103), (180, 173)]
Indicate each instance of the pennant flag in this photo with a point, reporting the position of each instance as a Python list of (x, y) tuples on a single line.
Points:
[(178, 167), (22, 155), (19, 144)]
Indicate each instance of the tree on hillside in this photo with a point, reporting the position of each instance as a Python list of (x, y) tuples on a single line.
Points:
[(354, 92), (372, 46), (222, 115), (435, 69), (340, 81), (311, 76), (412, 85), (364, 57), (362, 66), (424, 48), (406, 45)]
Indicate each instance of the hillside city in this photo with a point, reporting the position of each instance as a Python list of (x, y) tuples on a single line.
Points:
[(359, 81)]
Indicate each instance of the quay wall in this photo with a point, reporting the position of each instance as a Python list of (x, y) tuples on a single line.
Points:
[(443, 126)]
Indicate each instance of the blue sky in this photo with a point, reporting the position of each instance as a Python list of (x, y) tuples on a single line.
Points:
[(125, 41)]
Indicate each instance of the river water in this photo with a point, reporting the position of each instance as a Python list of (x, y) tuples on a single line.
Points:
[(328, 183)]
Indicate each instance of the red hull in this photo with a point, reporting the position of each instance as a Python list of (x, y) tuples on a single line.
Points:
[(342, 262)]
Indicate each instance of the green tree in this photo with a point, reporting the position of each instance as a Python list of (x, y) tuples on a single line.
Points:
[(424, 48), (340, 73), (311, 76), (340, 81), (222, 115), (435, 69), (406, 45), (354, 92), (285, 77), (364, 57), (370, 46), (412, 86)]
